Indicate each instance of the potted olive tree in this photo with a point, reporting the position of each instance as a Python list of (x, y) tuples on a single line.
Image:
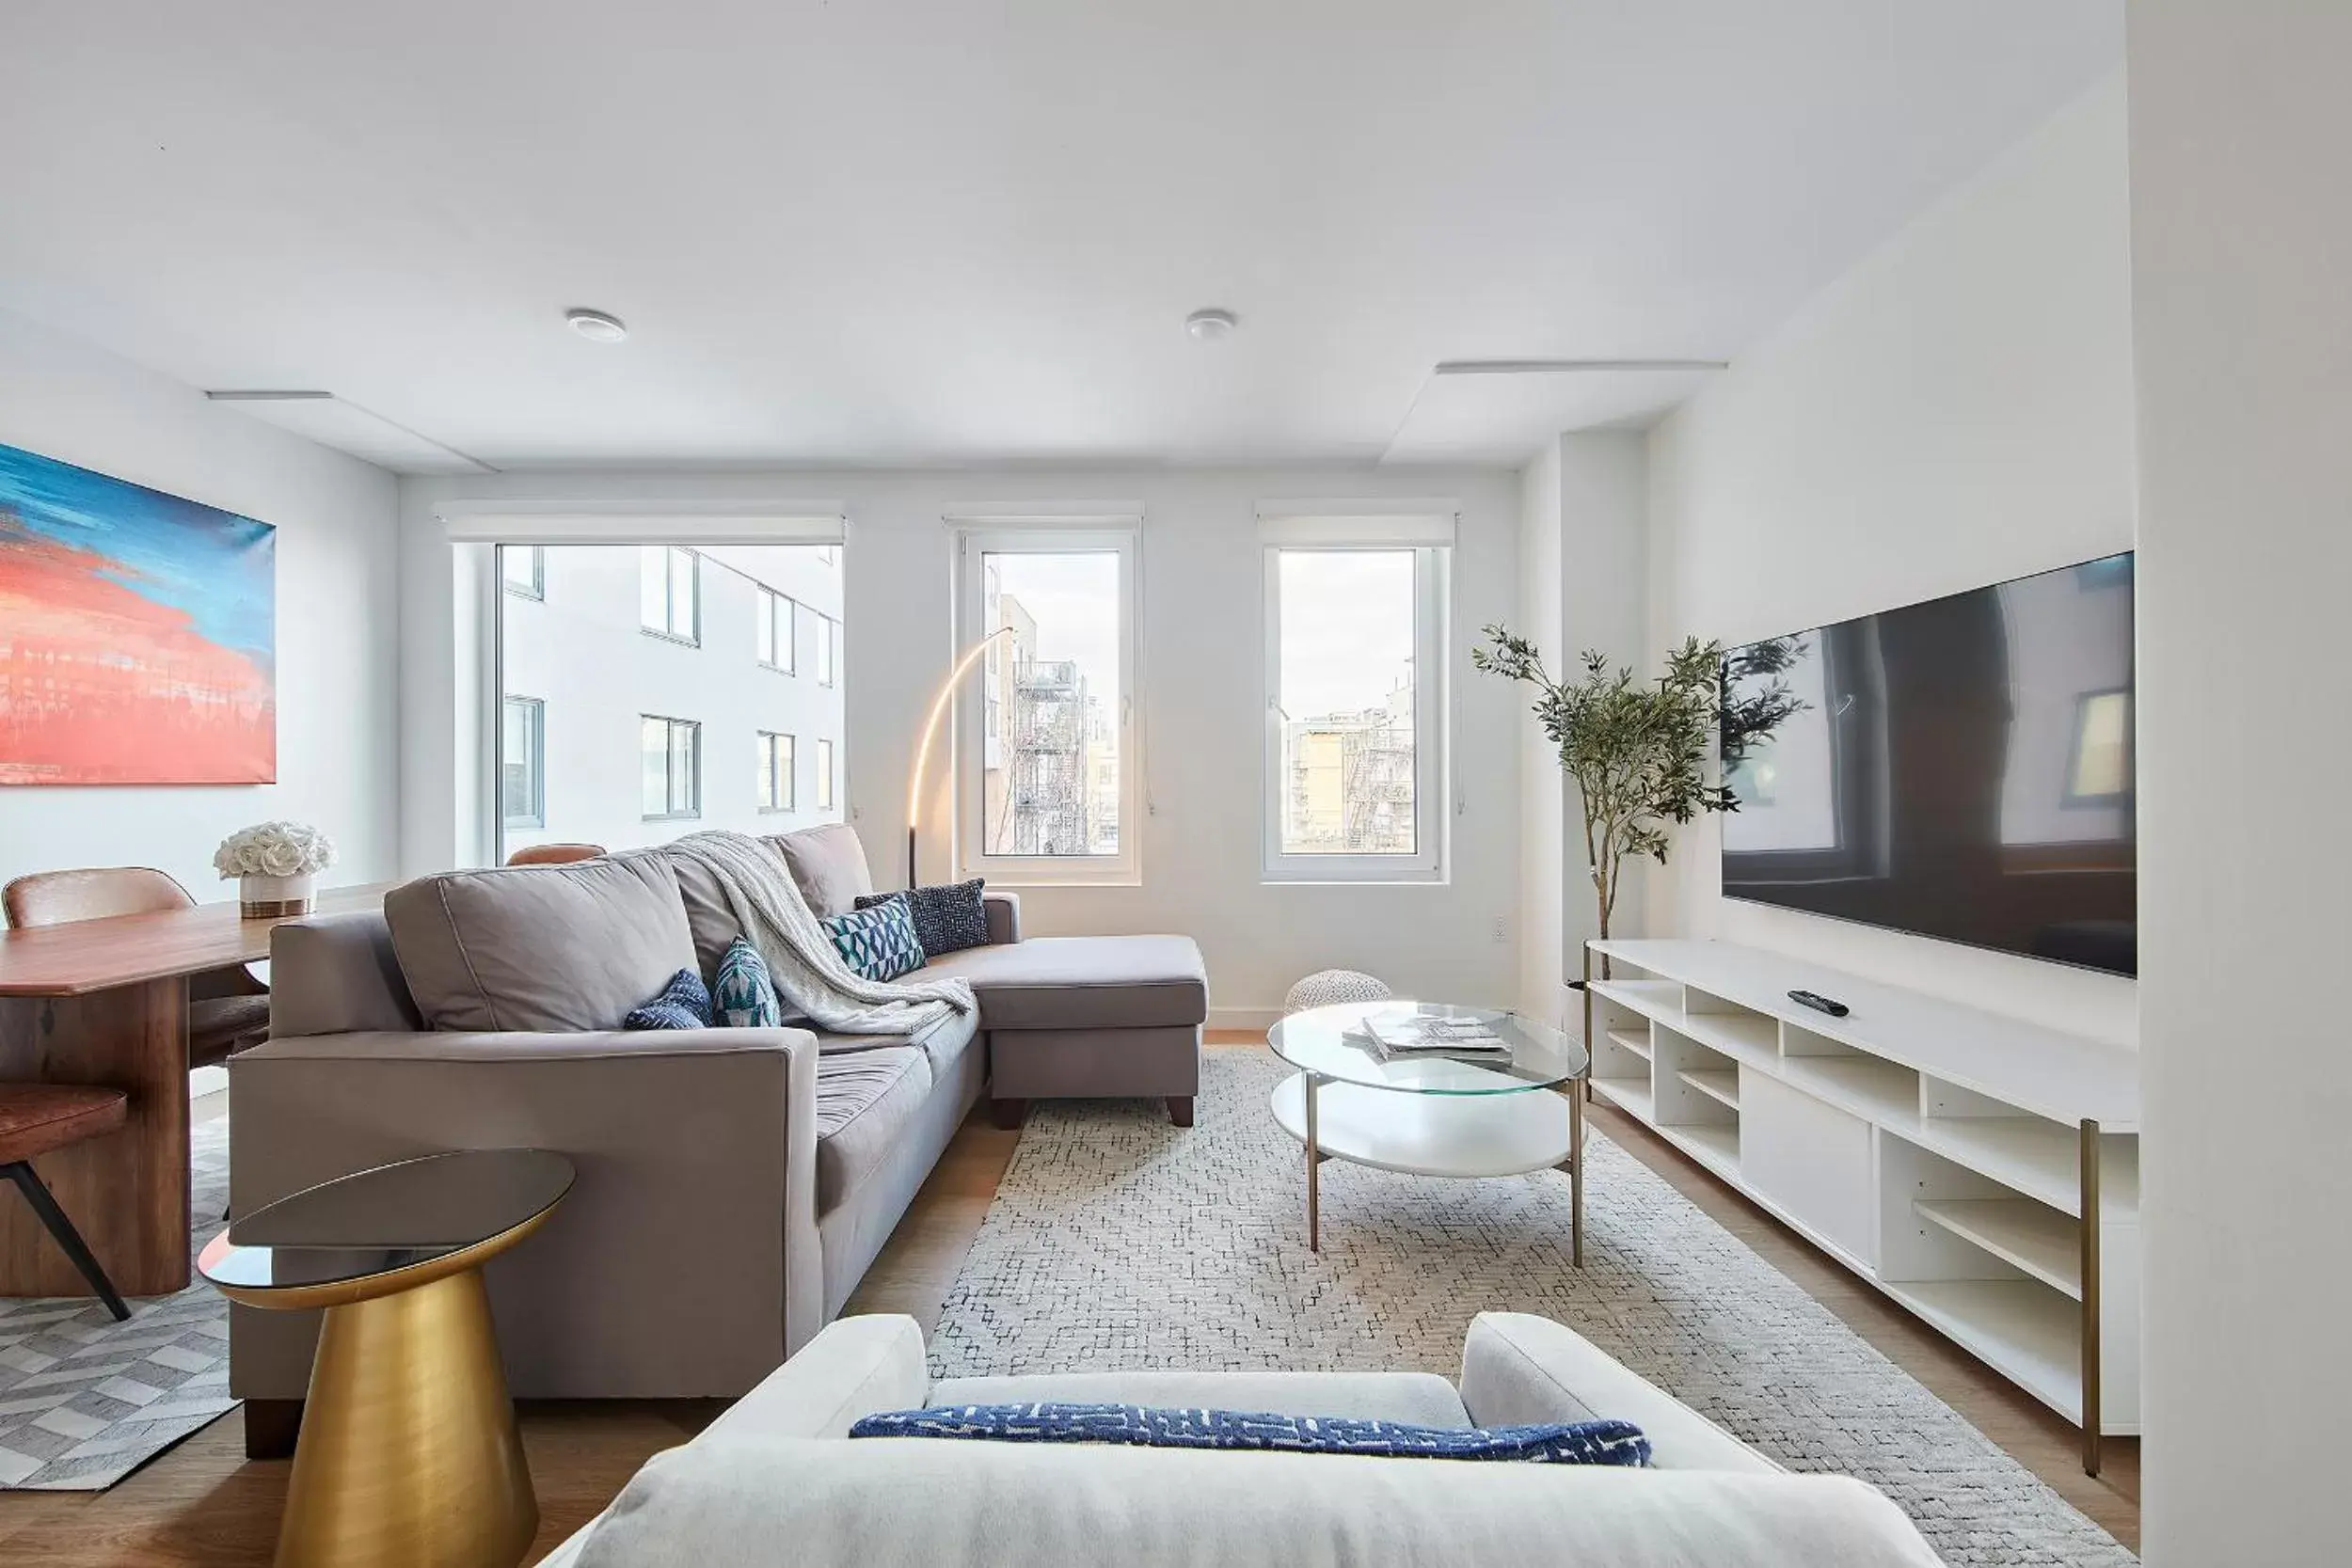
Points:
[(1637, 751)]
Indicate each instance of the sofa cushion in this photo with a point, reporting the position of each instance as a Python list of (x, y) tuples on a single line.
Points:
[(332, 974), (942, 1044), (745, 996), (876, 942), (1422, 1397), (554, 948), (865, 1101), (1086, 982), (948, 918), (827, 866), (684, 1004), (712, 925), (707, 1504)]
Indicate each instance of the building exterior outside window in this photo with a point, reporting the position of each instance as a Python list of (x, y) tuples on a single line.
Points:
[(585, 653)]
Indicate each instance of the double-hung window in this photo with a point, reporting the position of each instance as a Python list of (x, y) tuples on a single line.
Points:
[(1356, 775), (824, 775), (828, 646), (522, 788), (775, 771), (1048, 771), (671, 750), (669, 598), (773, 615)]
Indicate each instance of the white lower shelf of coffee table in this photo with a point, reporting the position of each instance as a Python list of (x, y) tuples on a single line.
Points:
[(1430, 1134)]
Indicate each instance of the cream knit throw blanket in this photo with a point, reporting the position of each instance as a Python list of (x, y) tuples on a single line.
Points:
[(808, 971)]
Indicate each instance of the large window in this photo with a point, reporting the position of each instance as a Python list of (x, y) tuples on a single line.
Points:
[(773, 616), (1048, 767), (672, 752), (775, 771), (522, 793), (1354, 704), (824, 775), (669, 600)]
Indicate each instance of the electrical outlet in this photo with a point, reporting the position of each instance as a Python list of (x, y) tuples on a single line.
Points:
[(1502, 932)]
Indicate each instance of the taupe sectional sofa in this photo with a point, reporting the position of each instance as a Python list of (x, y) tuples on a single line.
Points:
[(734, 1184)]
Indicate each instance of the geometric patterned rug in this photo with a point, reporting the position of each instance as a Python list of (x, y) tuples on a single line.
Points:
[(1115, 1240), (85, 1400)]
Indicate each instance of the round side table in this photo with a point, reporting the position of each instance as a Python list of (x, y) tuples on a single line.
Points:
[(408, 1453)]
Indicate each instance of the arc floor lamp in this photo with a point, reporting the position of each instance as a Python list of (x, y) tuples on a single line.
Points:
[(930, 733)]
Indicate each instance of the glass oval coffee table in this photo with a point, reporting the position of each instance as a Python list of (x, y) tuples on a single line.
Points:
[(1432, 1114), (409, 1456)]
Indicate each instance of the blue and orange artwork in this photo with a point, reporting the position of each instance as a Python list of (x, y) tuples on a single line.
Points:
[(137, 633)]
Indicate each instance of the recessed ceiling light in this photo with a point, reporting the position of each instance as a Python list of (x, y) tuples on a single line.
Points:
[(596, 325), (1209, 326)]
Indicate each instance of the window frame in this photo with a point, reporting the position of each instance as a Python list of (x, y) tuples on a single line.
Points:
[(788, 797), (537, 587), (694, 727), (781, 612), (828, 761), (1432, 682), (667, 632), (1123, 537), (828, 648), (538, 817)]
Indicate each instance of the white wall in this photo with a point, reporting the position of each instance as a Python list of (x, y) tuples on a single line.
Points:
[(2241, 246), (337, 589), (1200, 708), (1955, 411), (1544, 842), (580, 649)]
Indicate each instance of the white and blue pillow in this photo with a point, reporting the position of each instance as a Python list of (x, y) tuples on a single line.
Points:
[(1141, 1426), (746, 995), (879, 941), (948, 918), (684, 1004)]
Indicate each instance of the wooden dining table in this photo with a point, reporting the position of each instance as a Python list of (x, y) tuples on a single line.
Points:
[(106, 1002)]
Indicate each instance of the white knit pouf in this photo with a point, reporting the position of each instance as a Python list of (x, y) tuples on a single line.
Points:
[(1327, 986)]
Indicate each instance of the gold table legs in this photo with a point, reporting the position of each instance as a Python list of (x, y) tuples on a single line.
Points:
[(408, 1454)]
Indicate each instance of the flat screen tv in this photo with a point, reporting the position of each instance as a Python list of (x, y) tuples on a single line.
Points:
[(1961, 768)]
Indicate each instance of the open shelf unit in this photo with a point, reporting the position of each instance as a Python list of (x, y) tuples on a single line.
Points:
[(1981, 1170)]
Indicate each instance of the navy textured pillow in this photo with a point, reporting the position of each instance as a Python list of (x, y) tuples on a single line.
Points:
[(1562, 1443), (947, 918), (746, 995), (684, 1004), (878, 943)]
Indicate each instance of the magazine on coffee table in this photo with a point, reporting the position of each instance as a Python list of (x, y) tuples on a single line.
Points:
[(1419, 1033)]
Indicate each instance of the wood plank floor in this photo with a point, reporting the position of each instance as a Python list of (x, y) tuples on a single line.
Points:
[(204, 1503)]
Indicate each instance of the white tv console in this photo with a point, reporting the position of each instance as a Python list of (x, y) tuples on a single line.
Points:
[(1981, 1170)]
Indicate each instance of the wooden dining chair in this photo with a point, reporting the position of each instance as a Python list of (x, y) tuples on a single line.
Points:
[(228, 1008), (40, 1119), (554, 854)]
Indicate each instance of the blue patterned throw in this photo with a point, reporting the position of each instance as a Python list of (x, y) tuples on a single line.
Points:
[(1562, 1443), (880, 942), (746, 995), (684, 1004)]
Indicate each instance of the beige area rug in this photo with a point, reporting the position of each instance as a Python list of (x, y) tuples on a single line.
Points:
[(1118, 1240), (85, 1400)]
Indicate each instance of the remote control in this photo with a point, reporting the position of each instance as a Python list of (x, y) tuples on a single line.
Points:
[(1821, 1004)]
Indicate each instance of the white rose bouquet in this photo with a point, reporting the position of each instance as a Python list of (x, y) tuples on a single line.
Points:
[(274, 849)]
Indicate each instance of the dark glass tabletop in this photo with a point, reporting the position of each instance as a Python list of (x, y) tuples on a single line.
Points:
[(397, 1216)]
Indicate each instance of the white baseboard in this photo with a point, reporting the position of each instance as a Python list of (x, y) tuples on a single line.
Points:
[(1260, 1019)]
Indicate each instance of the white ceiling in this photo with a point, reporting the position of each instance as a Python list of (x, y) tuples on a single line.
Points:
[(886, 232)]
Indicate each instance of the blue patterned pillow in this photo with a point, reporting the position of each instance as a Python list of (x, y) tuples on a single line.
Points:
[(880, 942), (1564, 1442), (947, 918), (746, 995), (684, 1004)]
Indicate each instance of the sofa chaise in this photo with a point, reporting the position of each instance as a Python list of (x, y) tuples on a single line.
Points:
[(775, 1469), (734, 1184)]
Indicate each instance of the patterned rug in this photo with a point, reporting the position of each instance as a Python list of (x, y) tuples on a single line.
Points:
[(1117, 1240), (85, 1400)]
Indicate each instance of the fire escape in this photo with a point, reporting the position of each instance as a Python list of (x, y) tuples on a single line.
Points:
[(1049, 759)]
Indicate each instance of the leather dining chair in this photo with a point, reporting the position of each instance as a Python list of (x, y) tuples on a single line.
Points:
[(554, 854), (39, 1118), (228, 1008)]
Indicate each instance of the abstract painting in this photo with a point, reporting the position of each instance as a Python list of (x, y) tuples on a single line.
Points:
[(137, 633)]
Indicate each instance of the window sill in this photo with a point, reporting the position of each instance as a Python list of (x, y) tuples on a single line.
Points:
[(672, 816), (670, 637)]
